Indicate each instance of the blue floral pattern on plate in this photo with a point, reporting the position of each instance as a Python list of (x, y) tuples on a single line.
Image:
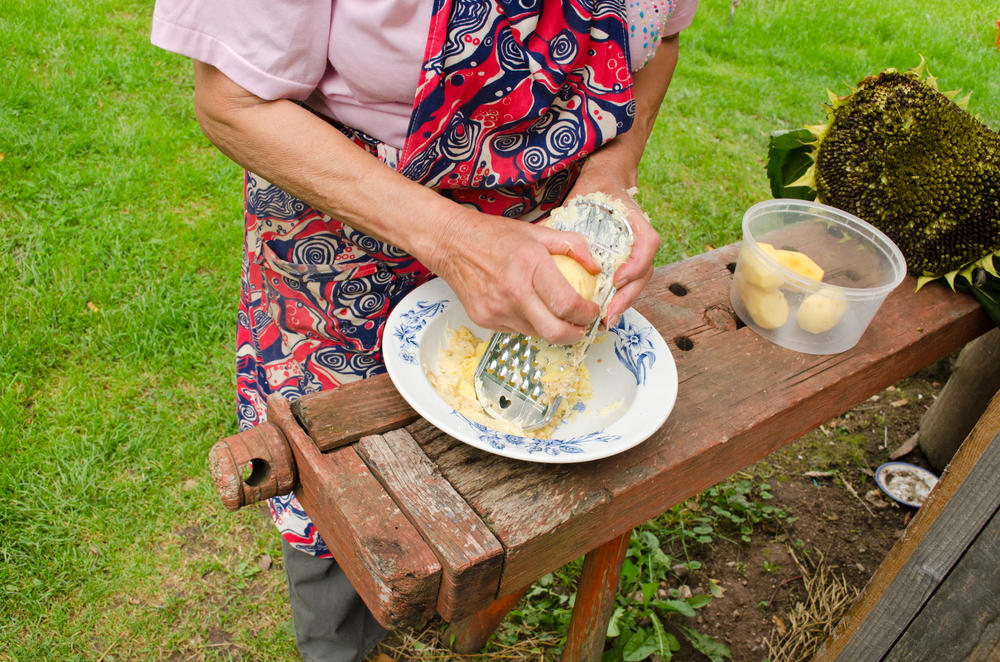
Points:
[(502, 440), (411, 323), (633, 375), (634, 348)]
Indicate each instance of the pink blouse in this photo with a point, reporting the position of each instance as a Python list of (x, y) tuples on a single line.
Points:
[(356, 61)]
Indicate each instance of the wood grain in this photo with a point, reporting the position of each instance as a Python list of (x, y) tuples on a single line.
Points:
[(343, 415), (471, 557), (961, 621), (740, 398), (387, 561)]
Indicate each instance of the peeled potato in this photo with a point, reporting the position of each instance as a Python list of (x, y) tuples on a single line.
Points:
[(766, 277), (756, 271), (768, 308), (584, 282), (821, 311), (800, 263)]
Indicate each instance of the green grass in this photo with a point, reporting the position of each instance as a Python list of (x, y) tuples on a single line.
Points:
[(120, 253)]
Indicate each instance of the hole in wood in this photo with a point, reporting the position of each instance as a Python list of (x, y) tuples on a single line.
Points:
[(739, 323), (678, 289), (731, 266), (684, 343), (255, 472)]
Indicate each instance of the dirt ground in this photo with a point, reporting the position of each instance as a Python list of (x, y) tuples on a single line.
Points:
[(795, 579)]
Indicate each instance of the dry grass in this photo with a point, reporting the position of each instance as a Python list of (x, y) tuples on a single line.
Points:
[(827, 597), (429, 644)]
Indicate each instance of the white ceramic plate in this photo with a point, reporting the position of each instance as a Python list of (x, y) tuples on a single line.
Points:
[(632, 367), (904, 482)]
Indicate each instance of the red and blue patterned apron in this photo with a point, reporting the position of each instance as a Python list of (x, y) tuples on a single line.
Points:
[(513, 95)]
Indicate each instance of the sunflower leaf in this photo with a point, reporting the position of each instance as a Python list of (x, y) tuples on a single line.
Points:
[(789, 156)]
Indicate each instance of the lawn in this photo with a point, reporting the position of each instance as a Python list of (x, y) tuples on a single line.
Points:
[(120, 242)]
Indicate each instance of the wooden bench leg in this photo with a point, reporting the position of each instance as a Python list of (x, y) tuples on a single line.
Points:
[(595, 599), (588, 626), (471, 633)]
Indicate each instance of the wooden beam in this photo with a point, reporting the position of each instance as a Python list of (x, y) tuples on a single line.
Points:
[(595, 599), (961, 621), (470, 633), (740, 398), (387, 561), (470, 555), (343, 415)]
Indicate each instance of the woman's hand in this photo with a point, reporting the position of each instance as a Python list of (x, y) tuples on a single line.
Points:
[(503, 273), (632, 276)]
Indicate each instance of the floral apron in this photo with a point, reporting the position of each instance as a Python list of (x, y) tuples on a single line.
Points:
[(513, 95)]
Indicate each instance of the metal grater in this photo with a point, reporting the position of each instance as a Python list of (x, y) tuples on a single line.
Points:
[(508, 379)]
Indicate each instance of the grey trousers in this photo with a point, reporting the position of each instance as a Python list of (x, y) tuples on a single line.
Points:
[(332, 624)]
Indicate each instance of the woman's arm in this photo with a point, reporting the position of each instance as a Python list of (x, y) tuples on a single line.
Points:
[(614, 169), (499, 267)]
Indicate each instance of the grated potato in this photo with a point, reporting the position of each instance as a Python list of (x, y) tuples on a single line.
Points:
[(453, 380)]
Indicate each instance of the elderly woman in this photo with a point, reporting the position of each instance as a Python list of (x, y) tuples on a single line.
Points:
[(388, 141)]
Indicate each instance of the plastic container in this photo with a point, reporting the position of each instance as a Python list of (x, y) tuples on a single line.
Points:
[(778, 291)]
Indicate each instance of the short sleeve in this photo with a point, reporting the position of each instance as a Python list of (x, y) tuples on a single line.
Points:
[(275, 49), (650, 21), (680, 17)]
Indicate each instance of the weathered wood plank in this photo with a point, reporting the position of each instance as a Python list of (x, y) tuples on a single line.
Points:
[(740, 398), (951, 517), (385, 558), (471, 557), (961, 621), (343, 415)]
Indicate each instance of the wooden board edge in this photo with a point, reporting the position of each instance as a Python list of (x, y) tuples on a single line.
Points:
[(982, 435), (471, 557), (388, 563)]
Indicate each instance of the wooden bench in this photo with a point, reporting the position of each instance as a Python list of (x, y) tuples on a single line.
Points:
[(423, 523)]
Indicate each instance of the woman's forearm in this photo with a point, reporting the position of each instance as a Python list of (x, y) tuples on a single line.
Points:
[(302, 154), (614, 170)]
